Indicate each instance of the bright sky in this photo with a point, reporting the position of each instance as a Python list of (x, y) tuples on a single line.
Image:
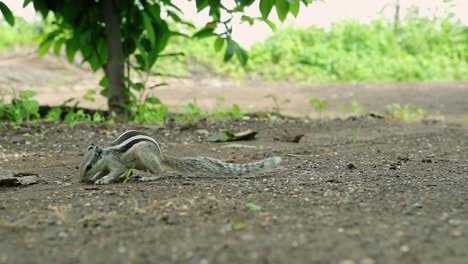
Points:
[(320, 13)]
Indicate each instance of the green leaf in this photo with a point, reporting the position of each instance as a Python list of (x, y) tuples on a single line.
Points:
[(70, 50), (58, 45), (201, 4), (31, 107), (104, 82), (137, 86), (231, 48), (270, 23), (140, 60), (45, 46), (248, 19), (204, 32), (7, 14), (282, 8), (221, 136), (253, 207), (265, 7), (153, 100), (219, 43), (294, 7), (89, 95), (26, 94), (105, 92), (54, 114), (26, 3), (149, 28), (241, 55)]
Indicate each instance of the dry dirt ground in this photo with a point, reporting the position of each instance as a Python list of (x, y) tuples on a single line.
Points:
[(396, 194), (360, 190)]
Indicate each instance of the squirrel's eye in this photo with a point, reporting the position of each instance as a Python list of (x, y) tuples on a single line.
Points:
[(89, 166)]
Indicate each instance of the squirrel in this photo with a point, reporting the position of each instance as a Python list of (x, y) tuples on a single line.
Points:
[(136, 150)]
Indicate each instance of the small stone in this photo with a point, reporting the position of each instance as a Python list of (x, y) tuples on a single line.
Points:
[(417, 205), (25, 130), (62, 234), (247, 237), (19, 140), (404, 248), (347, 261), (455, 222), (456, 233), (367, 261), (169, 219), (122, 250), (202, 132)]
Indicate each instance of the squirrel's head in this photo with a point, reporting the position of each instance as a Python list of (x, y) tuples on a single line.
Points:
[(89, 169)]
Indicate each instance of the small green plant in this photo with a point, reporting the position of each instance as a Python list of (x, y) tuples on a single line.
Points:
[(407, 113), (90, 95), (220, 112), (319, 105), (54, 114), (253, 207), (192, 112), (342, 108), (22, 108), (129, 174), (357, 108), (272, 117), (150, 111), (356, 135), (277, 102)]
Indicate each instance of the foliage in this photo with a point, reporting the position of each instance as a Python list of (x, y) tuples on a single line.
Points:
[(405, 113), (253, 207), (148, 110), (20, 35), (357, 108), (22, 108), (278, 102), (319, 104), (422, 50), (121, 35), (356, 135)]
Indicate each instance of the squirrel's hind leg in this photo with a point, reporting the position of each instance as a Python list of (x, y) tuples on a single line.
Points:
[(149, 159)]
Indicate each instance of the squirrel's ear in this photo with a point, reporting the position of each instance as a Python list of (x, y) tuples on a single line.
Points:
[(90, 147)]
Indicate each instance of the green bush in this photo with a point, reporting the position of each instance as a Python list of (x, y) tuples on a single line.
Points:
[(421, 50), (20, 35)]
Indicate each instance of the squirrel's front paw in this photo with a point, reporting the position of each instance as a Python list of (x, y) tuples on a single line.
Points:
[(102, 181)]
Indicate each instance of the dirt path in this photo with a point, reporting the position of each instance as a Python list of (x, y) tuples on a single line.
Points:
[(56, 81), (356, 191)]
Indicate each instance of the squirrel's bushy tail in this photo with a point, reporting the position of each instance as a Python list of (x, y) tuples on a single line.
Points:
[(202, 165)]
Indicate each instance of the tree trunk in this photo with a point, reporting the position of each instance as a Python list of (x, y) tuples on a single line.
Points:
[(396, 19), (114, 68)]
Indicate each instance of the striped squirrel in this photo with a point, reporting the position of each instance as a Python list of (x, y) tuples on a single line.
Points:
[(136, 150)]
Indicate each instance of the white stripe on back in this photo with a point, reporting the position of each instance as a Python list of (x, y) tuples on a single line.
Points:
[(128, 141), (123, 134)]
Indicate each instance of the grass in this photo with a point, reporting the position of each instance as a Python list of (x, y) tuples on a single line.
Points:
[(350, 52), (23, 34), (421, 50)]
